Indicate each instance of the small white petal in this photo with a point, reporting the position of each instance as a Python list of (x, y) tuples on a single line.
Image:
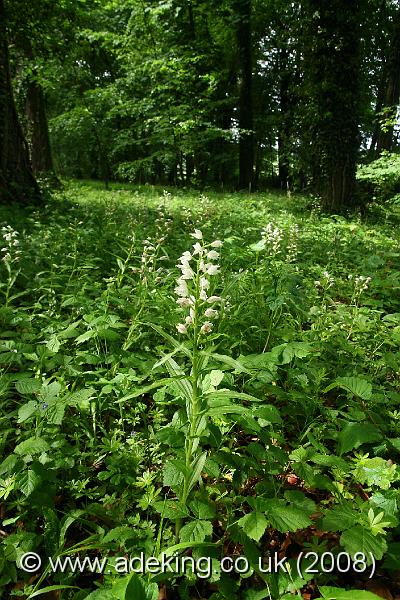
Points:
[(216, 244), (197, 234), (213, 299), (213, 255), (181, 327)]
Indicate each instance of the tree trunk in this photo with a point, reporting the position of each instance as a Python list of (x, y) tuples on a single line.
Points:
[(17, 182), (332, 82), (283, 132), (391, 91), (38, 130), (246, 140)]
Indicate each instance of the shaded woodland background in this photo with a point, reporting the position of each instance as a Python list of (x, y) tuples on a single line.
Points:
[(231, 94)]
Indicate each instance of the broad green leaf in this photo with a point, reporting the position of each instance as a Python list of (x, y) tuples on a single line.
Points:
[(53, 344), (216, 377), (135, 589), (375, 471), (28, 386), (55, 413), (171, 509), (202, 510), (332, 593), (357, 386), (195, 531), (27, 410), (339, 518), (32, 446), (358, 539), (85, 336), (281, 516), (28, 482), (269, 413), (254, 525), (219, 407), (173, 473), (353, 435)]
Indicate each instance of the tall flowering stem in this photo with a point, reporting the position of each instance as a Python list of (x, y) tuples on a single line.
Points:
[(197, 269)]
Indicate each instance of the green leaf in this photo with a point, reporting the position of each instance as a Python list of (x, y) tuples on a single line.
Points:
[(339, 518), (353, 435), (357, 386), (53, 344), (171, 509), (28, 482), (54, 588), (219, 407), (55, 413), (27, 410), (32, 446), (332, 593), (85, 336), (196, 469), (28, 386), (216, 377), (254, 525), (181, 383), (230, 362), (269, 413), (202, 510), (375, 471), (358, 539), (195, 531), (135, 589), (281, 516)]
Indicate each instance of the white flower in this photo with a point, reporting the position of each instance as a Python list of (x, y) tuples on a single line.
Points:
[(182, 288), (203, 295), (204, 283), (197, 234), (211, 313), (212, 269), (181, 327), (186, 257), (213, 299), (216, 244), (197, 249), (188, 320), (187, 272), (206, 327), (184, 302), (213, 255)]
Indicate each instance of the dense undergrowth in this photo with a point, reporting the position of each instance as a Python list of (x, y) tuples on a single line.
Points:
[(251, 409)]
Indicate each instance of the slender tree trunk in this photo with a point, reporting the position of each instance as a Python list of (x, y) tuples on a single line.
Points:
[(17, 182), (391, 91), (38, 130), (283, 133), (246, 141)]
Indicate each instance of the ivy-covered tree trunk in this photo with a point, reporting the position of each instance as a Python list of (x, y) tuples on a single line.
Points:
[(17, 182), (332, 87), (246, 140), (390, 92)]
